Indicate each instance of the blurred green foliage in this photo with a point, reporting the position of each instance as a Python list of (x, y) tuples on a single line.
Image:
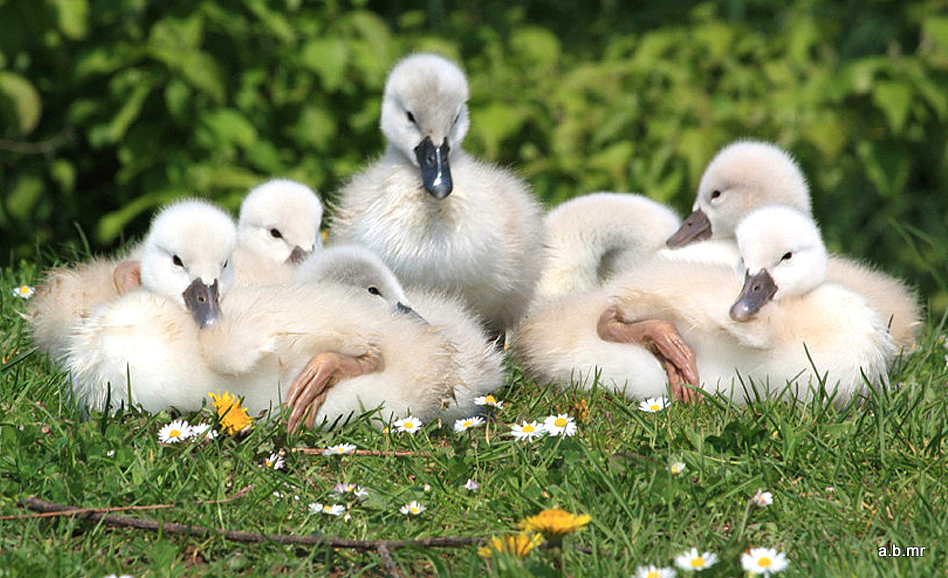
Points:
[(108, 109)]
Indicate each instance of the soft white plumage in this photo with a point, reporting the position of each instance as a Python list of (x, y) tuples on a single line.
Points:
[(748, 175), (437, 217), (806, 319), (592, 237), (277, 229)]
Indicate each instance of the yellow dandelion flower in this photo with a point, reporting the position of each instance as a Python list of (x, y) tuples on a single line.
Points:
[(555, 522), (518, 545), (233, 418)]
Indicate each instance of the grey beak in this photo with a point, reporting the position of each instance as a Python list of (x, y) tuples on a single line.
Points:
[(203, 302), (435, 170), (297, 256), (758, 290), (696, 227), (403, 309)]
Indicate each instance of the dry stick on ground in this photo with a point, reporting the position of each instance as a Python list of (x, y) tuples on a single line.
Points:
[(39, 505), (77, 511)]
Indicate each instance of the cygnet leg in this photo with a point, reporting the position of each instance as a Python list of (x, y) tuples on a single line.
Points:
[(310, 388), (127, 276), (663, 341)]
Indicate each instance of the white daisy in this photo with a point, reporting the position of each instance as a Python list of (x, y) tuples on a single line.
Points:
[(412, 508), (764, 561), (174, 432), (677, 468), (110, 453), (341, 489), (654, 404), (559, 425), (762, 499), (527, 431), (203, 431), (361, 493), (488, 400), (274, 461), (409, 424), (471, 485), (654, 572), (692, 561), (328, 509), (339, 450), (24, 292), (467, 423)]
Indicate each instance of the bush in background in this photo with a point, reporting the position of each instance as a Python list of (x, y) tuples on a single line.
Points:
[(109, 109)]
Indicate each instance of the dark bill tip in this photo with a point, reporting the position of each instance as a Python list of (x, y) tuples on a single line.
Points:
[(696, 227), (403, 309), (435, 170), (758, 290), (203, 302), (297, 256)]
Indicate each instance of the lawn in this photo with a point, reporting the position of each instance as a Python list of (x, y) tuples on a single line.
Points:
[(844, 483)]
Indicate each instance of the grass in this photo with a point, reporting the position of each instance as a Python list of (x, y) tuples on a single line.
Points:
[(845, 482)]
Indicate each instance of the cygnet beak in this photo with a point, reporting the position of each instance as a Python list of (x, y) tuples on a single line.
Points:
[(435, 170), (403, 309), (298, 255), (203, 302), (758, 290), (696, 227)]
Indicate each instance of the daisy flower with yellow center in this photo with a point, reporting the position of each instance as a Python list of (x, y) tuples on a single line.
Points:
[(467, 423), (692, 561), (339, 450), (555, 522), (471, 486), (518, 545), (654, 572), (233, 418), (328, 509), (677, 468), (527, 431), (409, 424), (412, 508), (174, 432), (274, 462), (654, 404), (24, 292), (765, 561), (762, 499), (489, 400), (559, 425)]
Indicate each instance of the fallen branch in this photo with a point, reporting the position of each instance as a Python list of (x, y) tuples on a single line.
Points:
[(77, 511), (39, 505)]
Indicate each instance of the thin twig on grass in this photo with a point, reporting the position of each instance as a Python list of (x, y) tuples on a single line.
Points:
[(77, 511), (39, 505), (376, 453)]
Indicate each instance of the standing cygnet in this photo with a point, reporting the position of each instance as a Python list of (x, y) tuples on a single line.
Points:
[(592, 237), (785, 325), (747, 175), (477, 361), (439, 218), (277, 229)]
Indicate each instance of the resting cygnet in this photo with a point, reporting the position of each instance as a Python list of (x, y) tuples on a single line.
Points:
[(592, 237), (785, 325), (171, 342), (477, 361), (277, 229), (747, 175), (438, 218)]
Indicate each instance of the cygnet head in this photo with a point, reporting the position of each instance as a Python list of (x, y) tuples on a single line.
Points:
[(782, 255), (186, 257), (356, 266), (279, 221), (743, 176), (424, 116)]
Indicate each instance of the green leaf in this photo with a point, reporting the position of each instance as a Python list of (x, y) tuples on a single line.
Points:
[(25, 98), (73, 18), (894, 98), (326, 57), (229, 126), (24, 196)]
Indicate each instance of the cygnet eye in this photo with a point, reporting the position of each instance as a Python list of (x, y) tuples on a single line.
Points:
[(411, 117), (787, 256), (177, 261), (276, 234), (715, 194), (374, 290)]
